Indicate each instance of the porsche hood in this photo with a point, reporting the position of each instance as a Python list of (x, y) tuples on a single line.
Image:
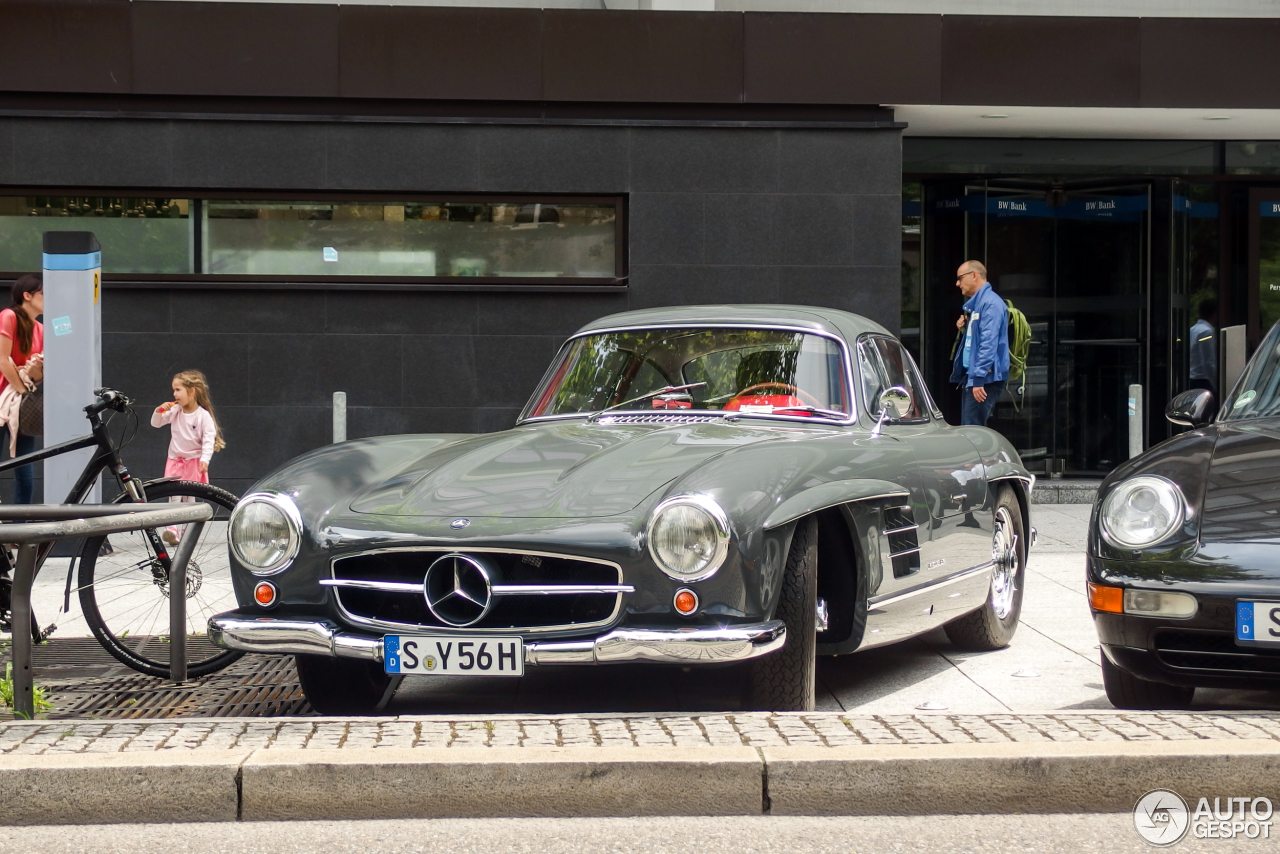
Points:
[(562, 469)]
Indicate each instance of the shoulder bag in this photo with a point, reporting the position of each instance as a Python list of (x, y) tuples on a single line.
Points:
[(31, 411)]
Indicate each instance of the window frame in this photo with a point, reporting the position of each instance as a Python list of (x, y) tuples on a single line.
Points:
[(206, 281), (558, 360), (928, 409)]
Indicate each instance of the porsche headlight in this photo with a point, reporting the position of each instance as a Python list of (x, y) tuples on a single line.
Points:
[(1142, 511), (265, 532), (689, 537)]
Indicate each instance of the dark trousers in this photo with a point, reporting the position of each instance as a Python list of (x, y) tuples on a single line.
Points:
[(24, 477), (973, 413)]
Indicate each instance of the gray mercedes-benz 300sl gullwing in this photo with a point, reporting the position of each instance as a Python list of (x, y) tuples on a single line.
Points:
[(700, 486)]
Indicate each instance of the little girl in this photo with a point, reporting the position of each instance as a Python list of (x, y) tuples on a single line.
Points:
[(194, 433)]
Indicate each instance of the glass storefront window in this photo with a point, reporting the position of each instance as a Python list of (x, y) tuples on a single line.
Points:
[(911, 282), (138, 235), (411, 239), (1253, 158)]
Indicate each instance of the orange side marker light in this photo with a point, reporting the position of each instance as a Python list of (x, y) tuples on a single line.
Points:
[(265, 593), (1109, 599)]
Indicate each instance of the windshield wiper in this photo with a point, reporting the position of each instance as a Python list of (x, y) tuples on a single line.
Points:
[(816, 410), (593, 416)]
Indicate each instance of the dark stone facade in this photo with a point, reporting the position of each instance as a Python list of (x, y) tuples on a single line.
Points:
[(791, 215)]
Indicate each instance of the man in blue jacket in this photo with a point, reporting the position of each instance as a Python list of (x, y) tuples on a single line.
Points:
[(982, 361)]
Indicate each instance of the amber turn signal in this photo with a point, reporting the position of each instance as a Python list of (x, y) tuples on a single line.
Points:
[(686, 601), (1110, 599), (265, 593)]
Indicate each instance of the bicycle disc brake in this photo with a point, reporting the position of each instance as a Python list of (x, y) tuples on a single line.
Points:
[(195, 578)]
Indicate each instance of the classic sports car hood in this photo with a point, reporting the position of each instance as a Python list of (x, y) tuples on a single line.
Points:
[(1242, 493), (561, 469)]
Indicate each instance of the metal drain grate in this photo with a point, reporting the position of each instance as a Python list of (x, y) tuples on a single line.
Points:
[(83, 681)]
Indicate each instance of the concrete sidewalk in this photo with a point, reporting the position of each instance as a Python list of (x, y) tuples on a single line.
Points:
[(741, 764)]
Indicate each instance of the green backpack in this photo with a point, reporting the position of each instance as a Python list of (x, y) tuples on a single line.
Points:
[(1019, 342)]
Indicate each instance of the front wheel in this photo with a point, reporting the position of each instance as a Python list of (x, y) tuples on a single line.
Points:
[(125, 594), (783, 681), (344, 686), (1126, 691), (992, 626)]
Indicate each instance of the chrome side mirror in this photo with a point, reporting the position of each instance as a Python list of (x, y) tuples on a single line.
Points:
[(1191, 408), (894, 403)]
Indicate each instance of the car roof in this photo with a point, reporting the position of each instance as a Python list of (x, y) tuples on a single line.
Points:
[(842, 324)]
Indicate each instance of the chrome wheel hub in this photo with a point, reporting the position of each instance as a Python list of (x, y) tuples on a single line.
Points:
[(1004, 554)]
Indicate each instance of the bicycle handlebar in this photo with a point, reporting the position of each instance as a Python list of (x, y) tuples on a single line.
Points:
[(108, 398)]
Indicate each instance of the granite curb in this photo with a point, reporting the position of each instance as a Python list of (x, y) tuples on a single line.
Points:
[(366, 783)]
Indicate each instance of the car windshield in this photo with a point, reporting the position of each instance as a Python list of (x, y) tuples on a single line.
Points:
[(752, 371), (1257, 395)]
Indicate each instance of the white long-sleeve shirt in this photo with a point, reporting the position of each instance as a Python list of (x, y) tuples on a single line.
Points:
[(191, 435)]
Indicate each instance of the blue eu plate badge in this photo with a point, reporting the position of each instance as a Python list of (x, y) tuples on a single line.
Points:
[(1258, 623)]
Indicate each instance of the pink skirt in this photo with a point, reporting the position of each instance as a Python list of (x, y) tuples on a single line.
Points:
[(185, 470)]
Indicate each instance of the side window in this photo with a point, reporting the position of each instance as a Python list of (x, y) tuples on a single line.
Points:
[(883, 364)]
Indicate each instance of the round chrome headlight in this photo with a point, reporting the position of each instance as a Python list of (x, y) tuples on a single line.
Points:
[(265, 532), (689, 537), (1142, 512)]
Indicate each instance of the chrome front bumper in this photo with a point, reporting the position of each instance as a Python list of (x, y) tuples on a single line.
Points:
[(666, 646)]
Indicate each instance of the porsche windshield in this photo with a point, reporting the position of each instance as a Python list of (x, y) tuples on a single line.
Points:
[(752, 371), (1258, 394)]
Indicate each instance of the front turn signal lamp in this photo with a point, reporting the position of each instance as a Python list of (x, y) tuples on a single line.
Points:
[(264, 593), (1142, 603), (1109, 599)]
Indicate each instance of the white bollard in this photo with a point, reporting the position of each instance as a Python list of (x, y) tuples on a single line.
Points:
[(339, 417), (1135, 420), (72, 352)]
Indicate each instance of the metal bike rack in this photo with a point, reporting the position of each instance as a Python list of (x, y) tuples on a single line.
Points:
[(34, 524)]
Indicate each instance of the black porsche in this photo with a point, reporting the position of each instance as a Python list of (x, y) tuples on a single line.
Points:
[(1184, 550)]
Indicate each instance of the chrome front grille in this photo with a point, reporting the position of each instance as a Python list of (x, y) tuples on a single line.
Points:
[(532, 592)]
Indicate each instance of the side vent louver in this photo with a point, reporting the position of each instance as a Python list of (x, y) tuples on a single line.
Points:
[(904, 540)]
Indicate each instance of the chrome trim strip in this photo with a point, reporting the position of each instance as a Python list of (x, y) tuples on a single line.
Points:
[(385, 586), (851, 386), (902, 530), (408, 628), (964, 575), (498, 589), (559, 589), (904, 552), (710, 645)]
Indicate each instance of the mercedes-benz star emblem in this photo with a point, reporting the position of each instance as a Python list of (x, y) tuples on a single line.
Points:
[(458, 590), (459, 523)]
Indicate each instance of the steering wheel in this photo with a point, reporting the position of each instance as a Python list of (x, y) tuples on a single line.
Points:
[(787, 387)]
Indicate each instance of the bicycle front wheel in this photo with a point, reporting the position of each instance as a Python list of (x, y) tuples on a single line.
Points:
[(125, 593)]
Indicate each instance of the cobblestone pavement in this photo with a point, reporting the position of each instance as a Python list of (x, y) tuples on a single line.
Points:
[(750, 729)]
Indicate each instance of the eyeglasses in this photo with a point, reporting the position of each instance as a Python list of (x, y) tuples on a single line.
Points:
[(962, 275)]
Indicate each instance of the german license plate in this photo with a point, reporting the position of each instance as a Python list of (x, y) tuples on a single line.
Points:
[(1258, 623), (453, 655)]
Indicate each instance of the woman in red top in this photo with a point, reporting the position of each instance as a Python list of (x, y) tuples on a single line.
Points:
[(22, 343)]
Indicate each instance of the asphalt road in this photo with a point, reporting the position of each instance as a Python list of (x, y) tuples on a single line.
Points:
[(1044, 834)]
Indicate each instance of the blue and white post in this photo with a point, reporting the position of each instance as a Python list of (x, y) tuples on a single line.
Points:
[(72, 352)]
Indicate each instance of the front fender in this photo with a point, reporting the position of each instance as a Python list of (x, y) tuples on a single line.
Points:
[(827, 495)]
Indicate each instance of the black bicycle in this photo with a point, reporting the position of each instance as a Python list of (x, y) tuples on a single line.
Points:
[(123, 584)]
